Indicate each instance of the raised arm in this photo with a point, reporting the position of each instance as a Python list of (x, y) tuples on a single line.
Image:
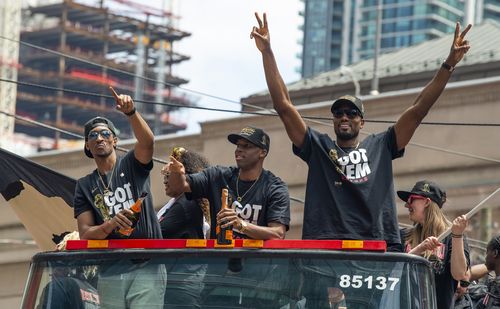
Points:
[(177, 178), (459, 264), (294, 124), (144, 147), (409, 121)]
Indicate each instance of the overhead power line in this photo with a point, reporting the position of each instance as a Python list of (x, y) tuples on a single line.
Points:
[(82, 137), (439, 149), (267, 113), (126, 72)]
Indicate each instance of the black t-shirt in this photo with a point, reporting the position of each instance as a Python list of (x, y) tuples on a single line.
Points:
[(183, 220), (445, 284), (268, 200), (350, 193), (129, 179), (68, 292), (440, 260)]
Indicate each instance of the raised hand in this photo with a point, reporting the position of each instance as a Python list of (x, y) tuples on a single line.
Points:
[(261, 34), (124, 103), (175, 167), (460, 46), (459, 225)]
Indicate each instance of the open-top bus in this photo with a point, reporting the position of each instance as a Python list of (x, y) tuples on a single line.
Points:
[(276, 274)]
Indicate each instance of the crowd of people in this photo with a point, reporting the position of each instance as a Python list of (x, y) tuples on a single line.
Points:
[(349, 191)]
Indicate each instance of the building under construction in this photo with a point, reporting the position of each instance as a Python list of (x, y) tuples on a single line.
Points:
[(134, 55)]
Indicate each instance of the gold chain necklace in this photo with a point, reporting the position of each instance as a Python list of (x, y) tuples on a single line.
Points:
[(355, 148), (238, 197), (107, 192)]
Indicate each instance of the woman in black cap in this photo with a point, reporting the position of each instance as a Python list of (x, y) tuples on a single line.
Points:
[(450, 259)]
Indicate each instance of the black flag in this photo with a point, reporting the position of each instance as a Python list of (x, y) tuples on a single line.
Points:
[(41, 198)]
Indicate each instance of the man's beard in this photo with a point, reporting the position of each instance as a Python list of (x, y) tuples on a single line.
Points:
[(104, 155), (347, 136)]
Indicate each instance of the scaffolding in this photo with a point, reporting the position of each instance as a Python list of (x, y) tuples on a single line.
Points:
[(113, 40), (10, 25)]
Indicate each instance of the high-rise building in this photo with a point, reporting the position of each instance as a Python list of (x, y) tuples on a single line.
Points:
[(70, 52), (341, 32), (10, 27)]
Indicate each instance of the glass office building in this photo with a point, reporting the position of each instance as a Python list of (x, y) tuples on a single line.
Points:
[(340, 32)]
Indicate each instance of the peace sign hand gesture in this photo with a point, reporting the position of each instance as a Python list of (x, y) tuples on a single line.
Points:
[(261, 34), (460, 46)]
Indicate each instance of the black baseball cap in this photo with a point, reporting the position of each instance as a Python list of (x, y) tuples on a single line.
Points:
[(427, 189), (354, 101), (254, 135), (93, 123)]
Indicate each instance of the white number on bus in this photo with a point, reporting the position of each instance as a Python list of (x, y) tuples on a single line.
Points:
[(358, 281)]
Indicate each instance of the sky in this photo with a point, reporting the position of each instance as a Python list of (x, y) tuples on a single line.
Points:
[(224, 60)]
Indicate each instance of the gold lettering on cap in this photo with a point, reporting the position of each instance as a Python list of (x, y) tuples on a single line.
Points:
[(247, 131)]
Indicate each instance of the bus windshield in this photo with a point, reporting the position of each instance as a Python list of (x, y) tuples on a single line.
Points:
[(232, 279)]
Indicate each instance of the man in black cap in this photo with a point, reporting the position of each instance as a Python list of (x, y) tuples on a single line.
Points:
[(260, 202), (350, 192), (103, 199)]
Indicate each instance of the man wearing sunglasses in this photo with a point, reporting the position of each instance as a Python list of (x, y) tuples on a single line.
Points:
[(350, 191), (103, 199)]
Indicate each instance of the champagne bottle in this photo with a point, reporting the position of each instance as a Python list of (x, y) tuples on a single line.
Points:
[(224, 235), (178, 152), (134, 217)]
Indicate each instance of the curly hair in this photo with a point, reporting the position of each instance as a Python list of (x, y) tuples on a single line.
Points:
[(193, 162), (494, 243)]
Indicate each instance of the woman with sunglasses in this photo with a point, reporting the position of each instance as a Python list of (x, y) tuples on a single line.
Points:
[(450, 259)]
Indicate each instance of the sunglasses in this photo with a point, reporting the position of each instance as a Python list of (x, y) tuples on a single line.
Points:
[(106, 134), (350, 113), (464, 283), (414, 197)]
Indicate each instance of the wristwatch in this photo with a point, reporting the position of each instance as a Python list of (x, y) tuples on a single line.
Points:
[(243, 227), (447, 67)]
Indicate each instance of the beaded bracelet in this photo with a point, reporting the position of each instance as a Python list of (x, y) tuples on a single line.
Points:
[(131, 112)]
